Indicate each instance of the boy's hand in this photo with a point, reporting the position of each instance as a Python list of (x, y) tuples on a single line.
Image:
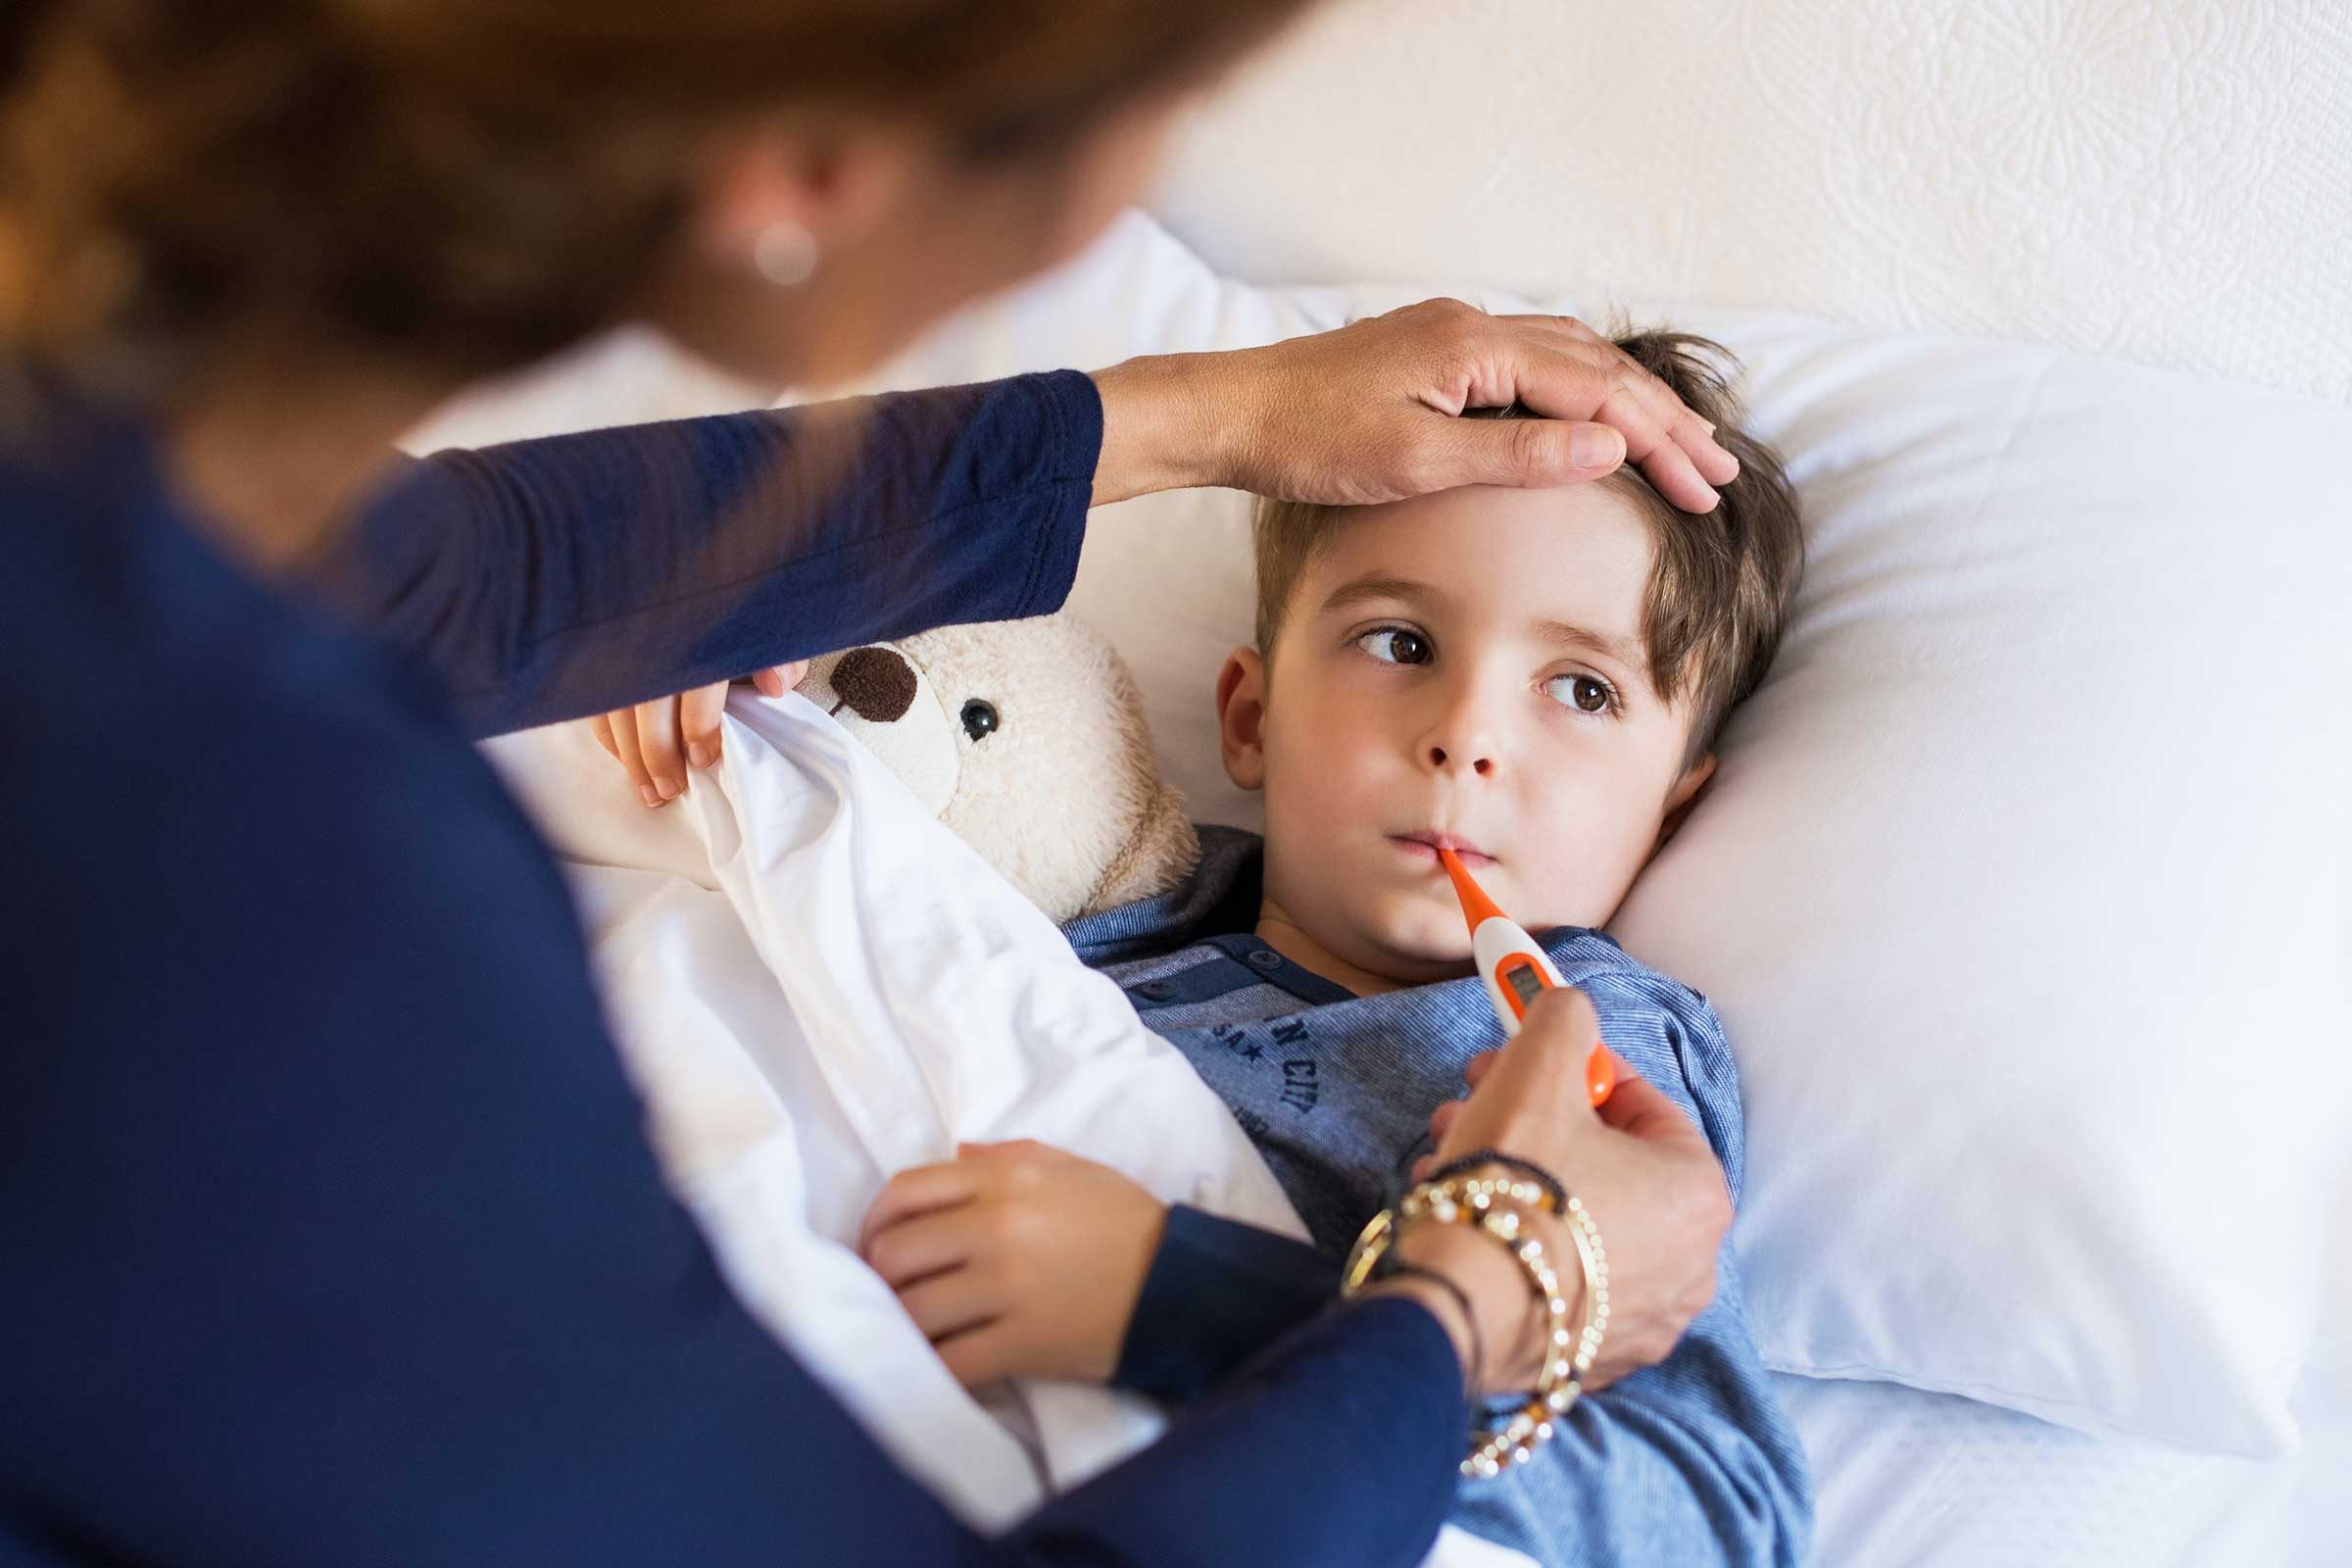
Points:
[(1016, 1260)]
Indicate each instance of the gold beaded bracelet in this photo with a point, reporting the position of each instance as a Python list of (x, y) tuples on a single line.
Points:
[(1487, 1203)]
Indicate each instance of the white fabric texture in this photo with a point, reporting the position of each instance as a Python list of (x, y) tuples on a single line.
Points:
[(1908, 1479), (2023, 889), (2162, 181), (816, 984)]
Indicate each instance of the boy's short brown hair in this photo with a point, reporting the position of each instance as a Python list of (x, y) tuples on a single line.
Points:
[(1720, 588)]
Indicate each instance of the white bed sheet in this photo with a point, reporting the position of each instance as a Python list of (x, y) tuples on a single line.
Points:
[(1909, 1479)]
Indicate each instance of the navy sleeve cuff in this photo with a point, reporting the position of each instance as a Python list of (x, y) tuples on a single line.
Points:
[(1073, 409), (1218, 1291)]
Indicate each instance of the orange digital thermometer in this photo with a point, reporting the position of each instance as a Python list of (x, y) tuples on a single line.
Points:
[(1513, 965)]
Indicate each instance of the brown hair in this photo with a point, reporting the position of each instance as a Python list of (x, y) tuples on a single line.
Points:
[(472, 184), (1720, 588)]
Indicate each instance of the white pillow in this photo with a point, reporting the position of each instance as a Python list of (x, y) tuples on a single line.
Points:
[(2022, 891)]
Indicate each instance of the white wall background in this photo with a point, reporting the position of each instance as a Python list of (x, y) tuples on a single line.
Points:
[(2164, 181)]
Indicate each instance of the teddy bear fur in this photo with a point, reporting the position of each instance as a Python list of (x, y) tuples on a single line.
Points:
[(1027, 739)]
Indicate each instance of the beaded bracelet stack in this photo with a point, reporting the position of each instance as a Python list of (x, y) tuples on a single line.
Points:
[(1492, 1204)]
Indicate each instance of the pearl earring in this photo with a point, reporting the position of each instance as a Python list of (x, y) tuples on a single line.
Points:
[(784, 253)]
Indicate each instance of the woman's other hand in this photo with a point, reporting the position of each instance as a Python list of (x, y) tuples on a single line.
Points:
[(1366, 413), (657, 741), (1638, 1165), (1016, 1260)]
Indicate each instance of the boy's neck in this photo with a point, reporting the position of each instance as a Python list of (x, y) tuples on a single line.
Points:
[(1287, 937)]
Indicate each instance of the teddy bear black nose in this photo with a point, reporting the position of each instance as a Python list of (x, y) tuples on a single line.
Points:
[(876, 683)]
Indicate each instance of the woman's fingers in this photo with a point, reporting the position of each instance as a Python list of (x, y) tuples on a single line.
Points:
[(781, 679), (1637, 1106), (621, 727), (657, 745), (1592, 419), (657, 742), (1584, 384), (1532, 1101), (699, 713), (1714, 462)]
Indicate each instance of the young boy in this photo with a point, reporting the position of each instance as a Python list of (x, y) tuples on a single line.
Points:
[(1534, 680)]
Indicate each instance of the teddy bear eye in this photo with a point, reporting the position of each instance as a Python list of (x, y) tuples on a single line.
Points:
[(979, 720)]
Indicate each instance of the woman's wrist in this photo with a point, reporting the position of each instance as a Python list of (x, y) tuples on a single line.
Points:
[(1163, 426), (1512, 1317)]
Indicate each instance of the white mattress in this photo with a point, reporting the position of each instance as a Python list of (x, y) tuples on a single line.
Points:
[(1906, 1479)]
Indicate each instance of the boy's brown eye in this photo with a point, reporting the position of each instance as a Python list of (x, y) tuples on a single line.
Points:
[(1586, 694), (1394, 644)]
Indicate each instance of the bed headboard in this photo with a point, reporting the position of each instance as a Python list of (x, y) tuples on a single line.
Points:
[(2162, 180)]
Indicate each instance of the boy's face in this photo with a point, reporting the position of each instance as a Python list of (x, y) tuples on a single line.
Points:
[(1465, 668)]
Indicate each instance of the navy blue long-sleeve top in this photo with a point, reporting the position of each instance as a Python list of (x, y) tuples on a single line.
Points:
[(328, 1232)]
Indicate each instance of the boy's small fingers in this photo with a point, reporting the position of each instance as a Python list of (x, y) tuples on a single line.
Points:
[(916, 1249), (949, 1304), (1008, 1149), (917, 1191), (978, 1355), (600, 726), (1440, 1120), (1475, 1070)]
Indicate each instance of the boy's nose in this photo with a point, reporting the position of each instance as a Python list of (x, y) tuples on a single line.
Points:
[(1462, 725), (1473, 758)]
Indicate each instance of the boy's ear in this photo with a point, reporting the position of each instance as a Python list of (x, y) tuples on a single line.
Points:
[(1242, 717), (1683, 796)]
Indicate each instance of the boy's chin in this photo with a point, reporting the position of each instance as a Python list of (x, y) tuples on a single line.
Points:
[(1422, 946)]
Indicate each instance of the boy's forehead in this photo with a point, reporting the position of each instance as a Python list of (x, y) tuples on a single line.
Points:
[(1581, 555)]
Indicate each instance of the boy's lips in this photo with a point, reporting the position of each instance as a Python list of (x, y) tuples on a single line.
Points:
[(1425, 847)]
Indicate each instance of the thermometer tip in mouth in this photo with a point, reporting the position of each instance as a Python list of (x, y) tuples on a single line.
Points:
[(1476, 905)]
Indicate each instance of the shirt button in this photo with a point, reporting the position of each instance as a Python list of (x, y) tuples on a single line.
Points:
[(1155, 991), (1266, 959)]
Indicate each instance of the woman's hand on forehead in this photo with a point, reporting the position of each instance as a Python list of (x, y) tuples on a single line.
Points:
[(1369, 412)]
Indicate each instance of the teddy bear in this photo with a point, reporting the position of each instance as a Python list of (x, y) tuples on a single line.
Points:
[(1027, 739)]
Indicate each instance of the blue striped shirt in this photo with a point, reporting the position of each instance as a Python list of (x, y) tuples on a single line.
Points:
[(1690, 1461)]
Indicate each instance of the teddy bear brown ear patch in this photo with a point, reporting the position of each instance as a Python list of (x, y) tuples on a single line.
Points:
[(877, 683)]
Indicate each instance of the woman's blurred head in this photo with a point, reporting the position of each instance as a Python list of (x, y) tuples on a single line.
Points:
[(792, 187)]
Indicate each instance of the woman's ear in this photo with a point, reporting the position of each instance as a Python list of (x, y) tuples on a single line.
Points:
[(1683, 796), (1242, 717), (828, 182)]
